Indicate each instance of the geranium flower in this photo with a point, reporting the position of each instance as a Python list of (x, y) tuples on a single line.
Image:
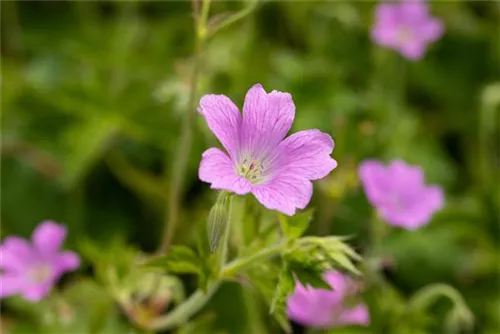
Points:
[(321, 308), (31, 269), (406, 27), (259, 159), (399, 193)]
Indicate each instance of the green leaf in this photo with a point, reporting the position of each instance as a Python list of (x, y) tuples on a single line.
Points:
[(343, 261), (264, 279), (283, 290), (179, 260), (309, 275), (87, 142), (148, 187), (200, 324), (295, 226)]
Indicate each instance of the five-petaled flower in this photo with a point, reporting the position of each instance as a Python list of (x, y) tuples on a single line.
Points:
[(259, 159), (321, 308), (31, 269), (406, 27), (399, 193)]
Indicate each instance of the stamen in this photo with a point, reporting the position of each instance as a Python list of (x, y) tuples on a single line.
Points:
[(251, 170)]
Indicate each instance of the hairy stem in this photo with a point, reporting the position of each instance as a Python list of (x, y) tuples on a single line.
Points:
[(234, 267), (225, 241), (185, 310), (184, 147)]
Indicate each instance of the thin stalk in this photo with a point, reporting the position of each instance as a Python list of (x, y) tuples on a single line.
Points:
[(235, 17), (184, 147), (429, 294), (236, 266), (184, 311), (226, 237), (378, 230)]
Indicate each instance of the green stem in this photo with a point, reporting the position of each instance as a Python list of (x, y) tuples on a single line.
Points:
[(238, 265), (197, 300), (429, 294), (184, 147), (185, 310), (226, 237), (377, 234), (234, 18), (12, 28)]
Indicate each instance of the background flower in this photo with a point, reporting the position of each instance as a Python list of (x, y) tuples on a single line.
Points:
[(323, 308), (406, 27), (31, 269), (399, 193)]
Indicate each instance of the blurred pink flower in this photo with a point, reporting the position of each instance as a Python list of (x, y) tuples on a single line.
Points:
[(259, 159), (31, 269), (406, 27), (321, 308), (399, 193)]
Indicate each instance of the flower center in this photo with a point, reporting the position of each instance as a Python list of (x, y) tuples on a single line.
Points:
[(404, 34), (251, 170), (40, 273)]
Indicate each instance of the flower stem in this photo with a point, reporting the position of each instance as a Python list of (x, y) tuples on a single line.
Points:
[(225, 240), (235, 266), (184, 147), (198, 299), (185, 310)]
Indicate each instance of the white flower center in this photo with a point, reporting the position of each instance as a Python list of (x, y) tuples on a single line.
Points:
[(252, 170), (404, 35), (40, 273)]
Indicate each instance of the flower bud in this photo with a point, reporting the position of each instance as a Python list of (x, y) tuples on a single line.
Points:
[(217, 220)]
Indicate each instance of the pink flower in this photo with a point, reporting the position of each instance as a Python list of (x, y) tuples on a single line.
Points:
[(406, 27), (31, 269), (321, 308), (259, 159), (399, 193)]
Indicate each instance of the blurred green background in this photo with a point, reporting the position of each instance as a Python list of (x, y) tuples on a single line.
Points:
[(93, 95)]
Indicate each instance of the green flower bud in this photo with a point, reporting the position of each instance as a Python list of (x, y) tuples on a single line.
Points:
[(217, 220)]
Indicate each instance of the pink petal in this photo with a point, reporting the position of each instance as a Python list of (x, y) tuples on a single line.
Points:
[(434, 197), (311, 307), (48, 237), (10, 284), (386, 13), (413, 49), (338, 282), (266, 120), (67, 261), (403, 173), (376, 181), (15, 254), (356, 316), (385, 35), (413, 10), (431, 30), (224, 119), (35, 293), (284, 193), (430, 199), (218, 169), (306, 154)]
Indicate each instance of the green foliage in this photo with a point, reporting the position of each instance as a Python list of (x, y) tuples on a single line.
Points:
[(179, 260), (295, 226), (284, 288), (83, 307)]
